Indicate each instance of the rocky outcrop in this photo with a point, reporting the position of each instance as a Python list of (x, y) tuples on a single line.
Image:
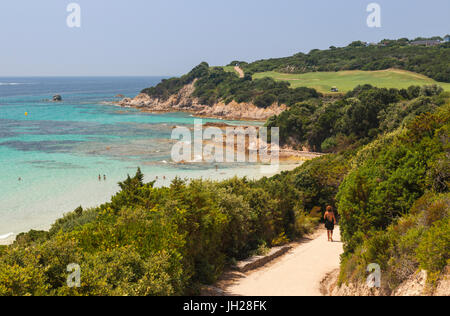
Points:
[(184, 101), (241, 111), (415, 285), (329, 287)]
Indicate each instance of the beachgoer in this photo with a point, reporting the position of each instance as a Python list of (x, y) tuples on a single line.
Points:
[(104, 177), (330, 221), (99, 178)]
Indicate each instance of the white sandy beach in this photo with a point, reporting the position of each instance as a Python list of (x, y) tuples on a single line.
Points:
[(39, 210)]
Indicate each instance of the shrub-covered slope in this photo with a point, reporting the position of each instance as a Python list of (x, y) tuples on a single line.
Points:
[(356, 119), (156, 241), (215, 84), (394, 203)]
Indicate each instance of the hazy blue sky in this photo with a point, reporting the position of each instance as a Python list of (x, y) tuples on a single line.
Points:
[(169, 37)]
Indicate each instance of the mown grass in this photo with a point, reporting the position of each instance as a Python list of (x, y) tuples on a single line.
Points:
[(230, 69), (348, 80)]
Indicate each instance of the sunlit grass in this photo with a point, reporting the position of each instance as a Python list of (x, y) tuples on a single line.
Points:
[(347, 80)]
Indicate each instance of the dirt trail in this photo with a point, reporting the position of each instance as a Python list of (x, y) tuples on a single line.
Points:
[(298, 273), (239, 71)]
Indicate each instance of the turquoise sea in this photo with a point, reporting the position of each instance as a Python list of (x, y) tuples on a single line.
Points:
[(59, 149)]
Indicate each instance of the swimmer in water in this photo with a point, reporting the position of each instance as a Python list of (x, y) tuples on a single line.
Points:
[(20, 179)]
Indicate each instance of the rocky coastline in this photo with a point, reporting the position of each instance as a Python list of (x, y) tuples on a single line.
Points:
[(184, 101)]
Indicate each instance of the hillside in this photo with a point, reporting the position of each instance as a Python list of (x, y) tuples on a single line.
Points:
[(433, 62), (288, 81), (219, 92), (394, 206), (354, 119)]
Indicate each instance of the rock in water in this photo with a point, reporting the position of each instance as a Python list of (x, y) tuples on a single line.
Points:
[(57, 98)]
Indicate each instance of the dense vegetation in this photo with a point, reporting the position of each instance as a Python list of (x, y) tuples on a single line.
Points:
[(433, 62), (215, 84), (156, 241), (393, 148), (355, 119), (389, 178), (394, 203)]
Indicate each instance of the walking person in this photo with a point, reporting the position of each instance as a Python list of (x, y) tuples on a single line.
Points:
[(330, 222)]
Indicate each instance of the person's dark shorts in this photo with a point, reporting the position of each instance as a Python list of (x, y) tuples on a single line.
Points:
[(329, 225)]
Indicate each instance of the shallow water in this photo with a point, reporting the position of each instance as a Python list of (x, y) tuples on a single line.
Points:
[(58, 150)]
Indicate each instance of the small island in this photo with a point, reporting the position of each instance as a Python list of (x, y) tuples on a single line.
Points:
[(57, 98)]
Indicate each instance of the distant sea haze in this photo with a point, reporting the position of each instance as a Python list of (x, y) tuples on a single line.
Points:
[(54, 152), (12, 83)]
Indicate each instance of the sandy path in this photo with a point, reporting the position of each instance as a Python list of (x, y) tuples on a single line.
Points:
[(239, 71), (298, 273)]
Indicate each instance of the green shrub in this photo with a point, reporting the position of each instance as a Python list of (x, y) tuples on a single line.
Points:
[(433, 252), (262, 250), (405, 247), (356, 119), (305, 224), (329, 144), (21, 274), (73, 220), (280, 240), (386, 185), (155, 241)]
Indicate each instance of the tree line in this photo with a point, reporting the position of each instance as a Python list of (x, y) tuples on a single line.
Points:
[(431, 61)]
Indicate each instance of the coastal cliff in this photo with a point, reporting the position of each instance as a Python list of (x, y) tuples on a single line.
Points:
[(186, 102)]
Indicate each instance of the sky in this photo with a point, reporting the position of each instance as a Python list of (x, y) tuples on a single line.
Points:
[(170, 37)]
